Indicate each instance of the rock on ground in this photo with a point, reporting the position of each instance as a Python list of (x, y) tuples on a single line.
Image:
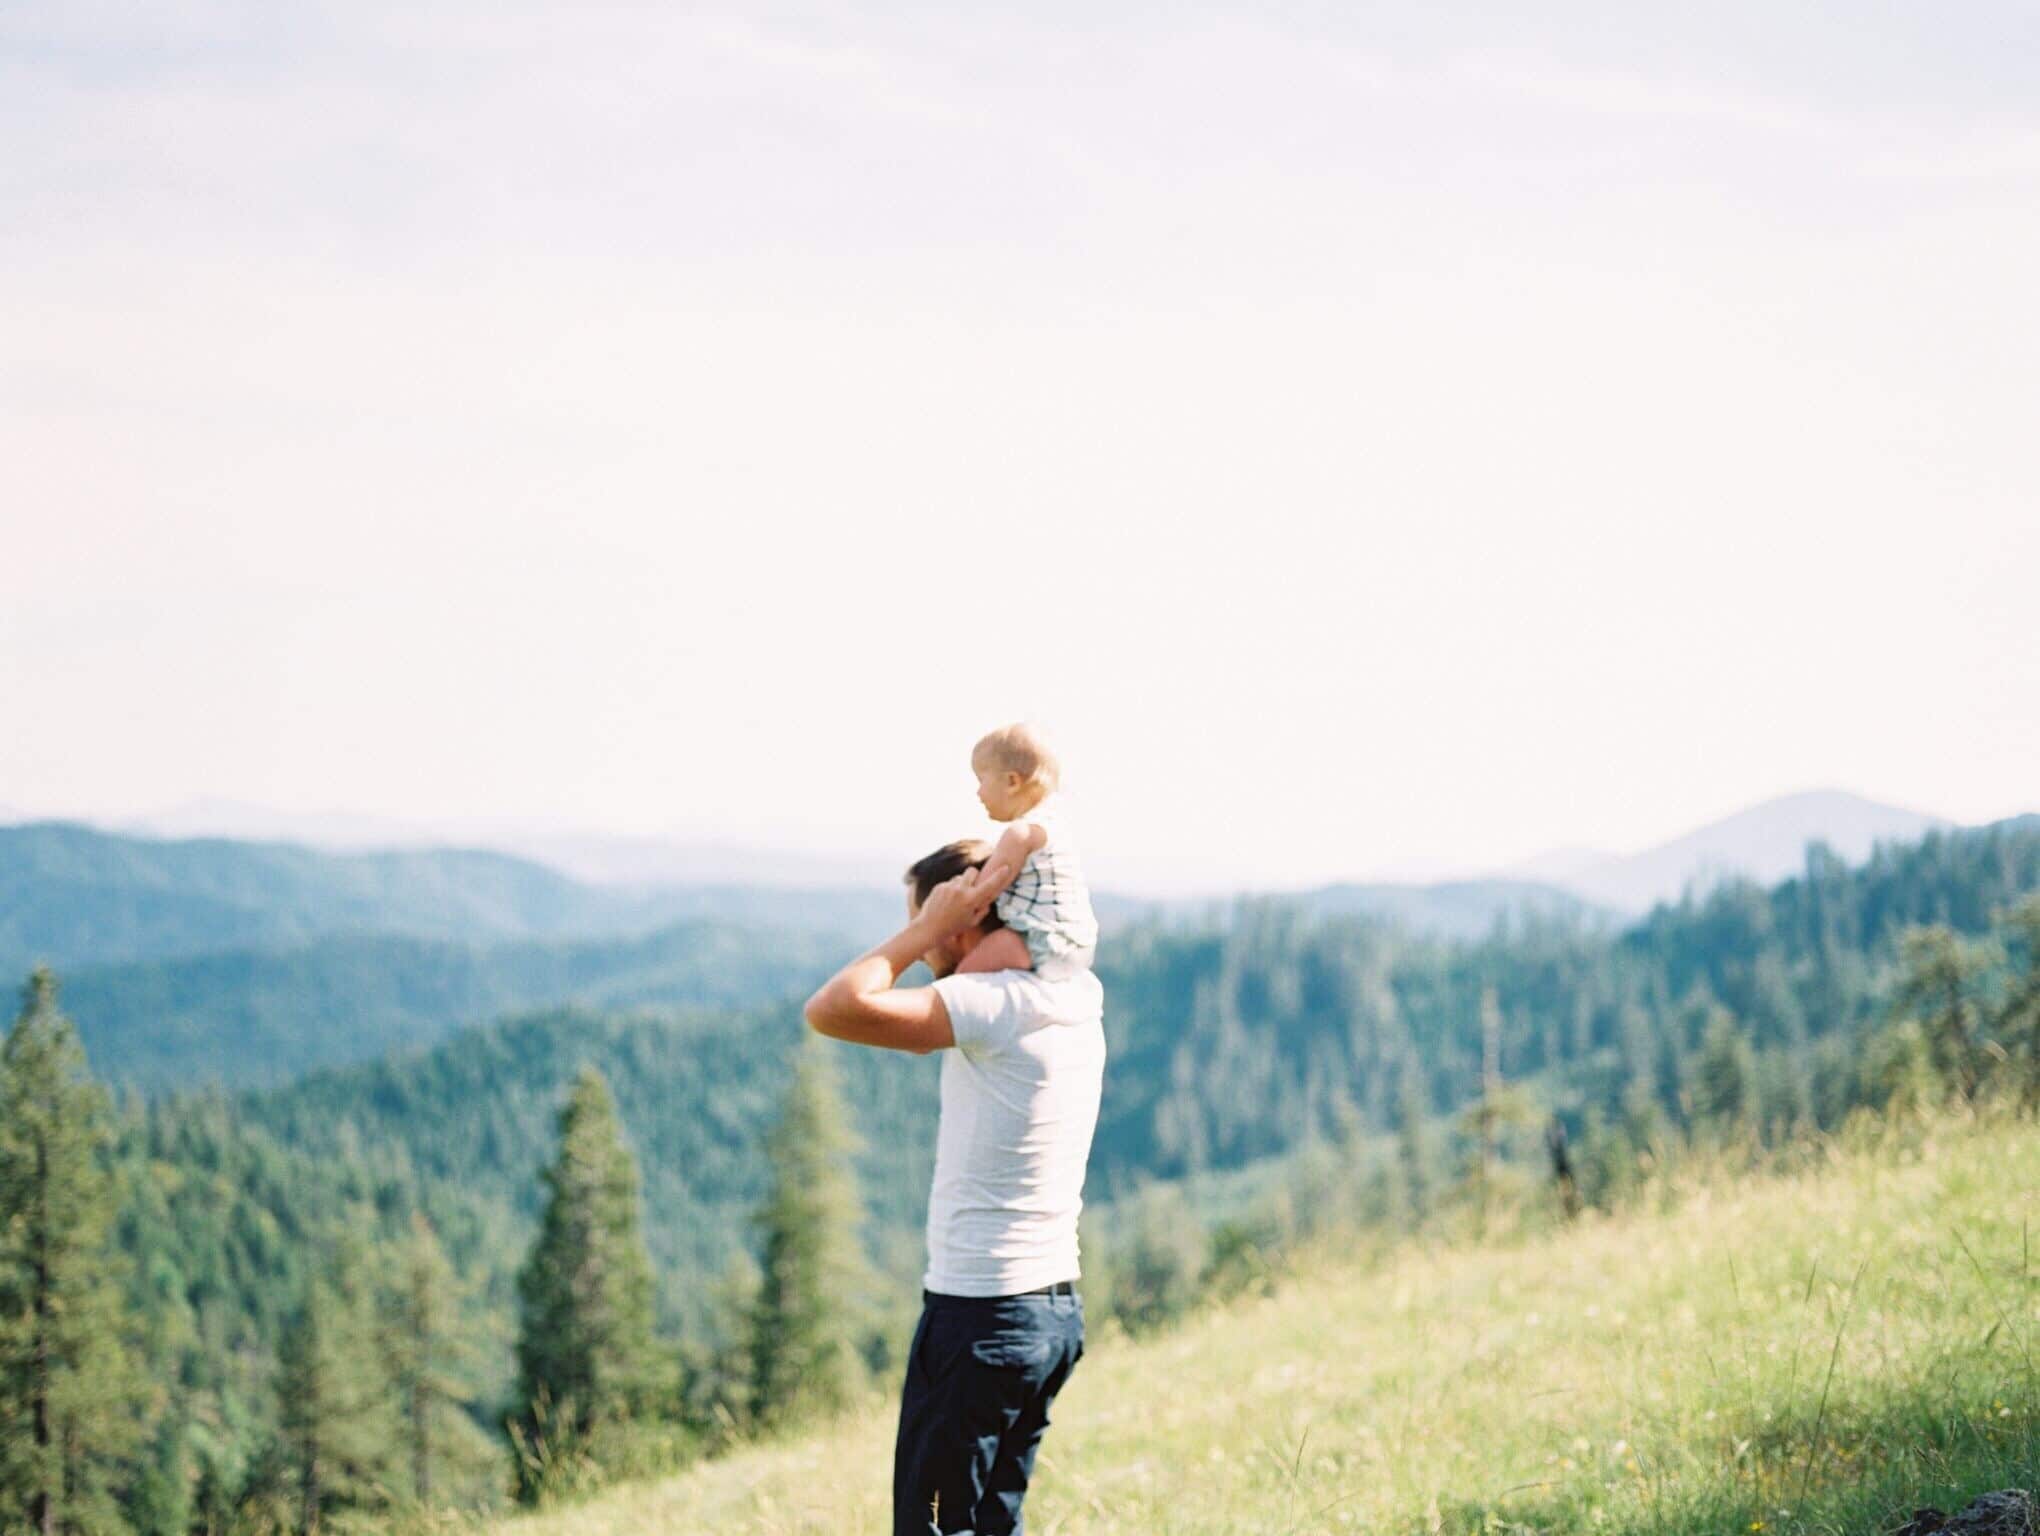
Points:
[(2007, 1512)]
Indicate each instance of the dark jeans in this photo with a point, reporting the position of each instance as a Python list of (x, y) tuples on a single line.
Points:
[(980, 1377)]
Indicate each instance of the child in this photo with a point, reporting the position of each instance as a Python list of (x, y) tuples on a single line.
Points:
[(1041, 897)]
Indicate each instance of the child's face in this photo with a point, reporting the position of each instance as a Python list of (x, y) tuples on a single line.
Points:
[(1000, 791)]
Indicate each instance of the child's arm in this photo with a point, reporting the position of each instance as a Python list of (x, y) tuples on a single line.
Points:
[(1016, 845)]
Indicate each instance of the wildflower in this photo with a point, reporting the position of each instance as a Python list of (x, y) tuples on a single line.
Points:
[(1756, 1525)]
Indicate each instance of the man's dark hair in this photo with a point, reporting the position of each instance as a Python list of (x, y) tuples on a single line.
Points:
[(946, 863)]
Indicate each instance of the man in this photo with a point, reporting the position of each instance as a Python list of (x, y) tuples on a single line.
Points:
[(1001, 1322)]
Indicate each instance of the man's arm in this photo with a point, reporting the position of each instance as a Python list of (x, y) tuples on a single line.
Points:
[(859, 1004)]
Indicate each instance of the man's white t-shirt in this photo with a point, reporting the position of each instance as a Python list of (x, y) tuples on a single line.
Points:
[(1019, 1103)]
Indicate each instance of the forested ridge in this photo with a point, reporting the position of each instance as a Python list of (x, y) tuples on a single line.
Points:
[(246, 1228), (73, 896), (263, 1017)]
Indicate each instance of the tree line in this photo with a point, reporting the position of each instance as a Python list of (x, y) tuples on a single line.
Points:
[(375, 1381)]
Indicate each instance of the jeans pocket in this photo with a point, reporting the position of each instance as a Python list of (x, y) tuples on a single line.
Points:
[(1014, 1349)]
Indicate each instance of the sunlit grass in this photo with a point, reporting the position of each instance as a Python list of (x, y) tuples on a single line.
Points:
[(1769, 1357)]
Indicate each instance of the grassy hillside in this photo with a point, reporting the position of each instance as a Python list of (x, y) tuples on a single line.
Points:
[(1780, 1355)]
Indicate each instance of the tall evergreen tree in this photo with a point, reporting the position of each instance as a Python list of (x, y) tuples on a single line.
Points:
[(1413, 1142), (1939, 971), (1609, 1160), (1724, 1077), (2019, 1023), (1500, 1105), (434, 1354), (162, 1504), (70, 1395), (334, 1396), (1897, 1070), (1160, 1260), (586, 1287), (802, 1355)]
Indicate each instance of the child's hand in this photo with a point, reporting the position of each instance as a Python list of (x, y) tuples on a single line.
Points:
[(991, 879)]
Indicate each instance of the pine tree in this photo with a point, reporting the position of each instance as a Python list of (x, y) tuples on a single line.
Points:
[(1161, 1261), (1784, 1094), (1725, 1077), (586, 1292), (70, 1393), (162, 1503), (1563, 1175), (1939, 973), (2019, 1022), (433, 1359), (1500, 1105), (802, 1359), (1609, 1160), (1898, 1073), (336, 1406), (1413, 1143), (1486, 1111)]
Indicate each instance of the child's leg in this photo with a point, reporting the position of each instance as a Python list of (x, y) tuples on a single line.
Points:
[(1068, 963), (1000, 950)]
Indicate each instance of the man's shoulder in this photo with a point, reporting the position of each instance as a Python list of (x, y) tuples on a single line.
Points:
[(1023, 995)]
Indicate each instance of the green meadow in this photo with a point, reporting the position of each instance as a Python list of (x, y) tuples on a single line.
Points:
[(1818, 1350)]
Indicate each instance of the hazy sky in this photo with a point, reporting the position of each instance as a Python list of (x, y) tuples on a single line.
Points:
[(1370, 437)]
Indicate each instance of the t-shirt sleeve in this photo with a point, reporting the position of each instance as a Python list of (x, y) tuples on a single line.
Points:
[(980, 1009)]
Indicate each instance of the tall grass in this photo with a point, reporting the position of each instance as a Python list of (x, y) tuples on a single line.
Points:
[(1770, 1356)]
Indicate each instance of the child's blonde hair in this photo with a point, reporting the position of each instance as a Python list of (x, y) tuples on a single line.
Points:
[(1020, 749)]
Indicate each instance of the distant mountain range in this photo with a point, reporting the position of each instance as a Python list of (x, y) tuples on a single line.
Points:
[(73, 895), (248, 962), (1764, 843), (1452, 909), (79, 895), (594, 857)]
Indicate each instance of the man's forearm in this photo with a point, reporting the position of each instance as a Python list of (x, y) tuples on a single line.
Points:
[(873, 971), (877, 969), (859, 1003)]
